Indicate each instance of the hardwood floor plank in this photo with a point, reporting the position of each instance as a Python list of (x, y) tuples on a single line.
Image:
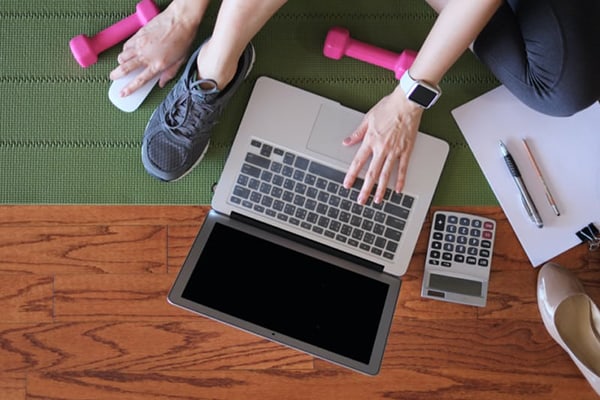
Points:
[(12, 386), (83, 249), (32, 215), (180, 242), (114, 297), (197, 344), (275, 384), (496, 346), (26, 298)]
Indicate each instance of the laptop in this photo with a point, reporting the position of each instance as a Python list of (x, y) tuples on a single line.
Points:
[(286, 253)]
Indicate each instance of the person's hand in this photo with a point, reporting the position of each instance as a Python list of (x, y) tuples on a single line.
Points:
[(388, 133), (161, 47)]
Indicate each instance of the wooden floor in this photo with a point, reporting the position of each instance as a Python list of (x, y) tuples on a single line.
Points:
[(83, 315)]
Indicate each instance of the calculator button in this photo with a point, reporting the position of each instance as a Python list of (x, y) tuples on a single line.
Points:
[(440, 222), (473, 242)]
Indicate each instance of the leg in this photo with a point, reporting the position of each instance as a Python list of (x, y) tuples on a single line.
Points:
[(545, 52), (237, 23), (178, 134)]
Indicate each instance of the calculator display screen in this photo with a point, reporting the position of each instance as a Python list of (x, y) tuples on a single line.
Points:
[(455, 285)]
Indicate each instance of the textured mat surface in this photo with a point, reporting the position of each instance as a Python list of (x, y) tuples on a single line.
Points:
[(63, 142)]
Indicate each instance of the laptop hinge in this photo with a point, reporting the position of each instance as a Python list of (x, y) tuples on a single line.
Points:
[(307, 242)]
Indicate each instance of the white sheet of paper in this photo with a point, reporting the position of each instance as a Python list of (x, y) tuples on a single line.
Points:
[(567, 150)]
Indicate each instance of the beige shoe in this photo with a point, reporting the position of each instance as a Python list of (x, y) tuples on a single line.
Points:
[(571, 318)]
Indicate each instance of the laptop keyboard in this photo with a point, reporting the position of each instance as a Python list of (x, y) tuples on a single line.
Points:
[(287, 187)]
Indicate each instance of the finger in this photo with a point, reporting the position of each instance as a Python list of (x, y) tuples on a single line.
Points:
[(116, 73), (126, 55), (402, 168), (138, 82), (384, 178), (169, 73), (125, 68), (371, 177), (358, 162), (358, 134), (360, 158)]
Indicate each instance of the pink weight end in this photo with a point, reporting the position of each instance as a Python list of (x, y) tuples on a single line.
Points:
[(82, 51), (336, 42)]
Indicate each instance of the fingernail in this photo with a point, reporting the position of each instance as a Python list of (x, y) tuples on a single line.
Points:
[(347, 140)]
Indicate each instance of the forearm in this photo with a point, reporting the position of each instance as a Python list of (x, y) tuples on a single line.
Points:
[(190, 11), (456, 27)]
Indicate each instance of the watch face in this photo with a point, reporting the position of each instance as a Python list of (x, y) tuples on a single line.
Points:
[(423, 95)]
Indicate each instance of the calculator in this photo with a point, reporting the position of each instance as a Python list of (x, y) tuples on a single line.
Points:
[(459, 258)]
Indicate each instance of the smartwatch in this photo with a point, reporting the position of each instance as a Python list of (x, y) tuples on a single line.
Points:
[(420, 92)]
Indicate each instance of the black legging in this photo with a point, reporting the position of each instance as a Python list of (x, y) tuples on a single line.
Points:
[(546, 52)]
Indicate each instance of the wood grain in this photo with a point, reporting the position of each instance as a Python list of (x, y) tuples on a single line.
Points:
[(84, 316)]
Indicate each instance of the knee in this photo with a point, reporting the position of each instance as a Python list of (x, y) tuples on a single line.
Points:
[(561, 102)]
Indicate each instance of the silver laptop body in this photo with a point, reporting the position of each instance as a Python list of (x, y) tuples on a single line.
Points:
[(286, 252)]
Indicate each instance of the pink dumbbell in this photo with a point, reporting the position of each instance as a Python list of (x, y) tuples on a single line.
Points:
[(338, 43), (86, 49)]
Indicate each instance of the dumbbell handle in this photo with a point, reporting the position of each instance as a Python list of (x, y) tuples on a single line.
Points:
[(115, 33), (372, 54), (381, 57)]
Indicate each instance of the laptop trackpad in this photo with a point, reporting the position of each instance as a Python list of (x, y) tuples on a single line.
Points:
[(334, 123)]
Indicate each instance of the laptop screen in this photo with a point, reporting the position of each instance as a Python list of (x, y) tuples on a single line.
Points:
[(288, 293)]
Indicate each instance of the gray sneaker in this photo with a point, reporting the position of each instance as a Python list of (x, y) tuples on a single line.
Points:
[(178, 132)]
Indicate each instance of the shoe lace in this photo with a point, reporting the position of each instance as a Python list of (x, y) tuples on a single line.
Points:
[(187, 111)]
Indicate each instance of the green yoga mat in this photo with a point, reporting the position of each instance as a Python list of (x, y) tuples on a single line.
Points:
[(63, 142)]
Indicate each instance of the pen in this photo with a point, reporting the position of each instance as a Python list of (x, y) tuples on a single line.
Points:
[(516, 174), (539, 174)]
